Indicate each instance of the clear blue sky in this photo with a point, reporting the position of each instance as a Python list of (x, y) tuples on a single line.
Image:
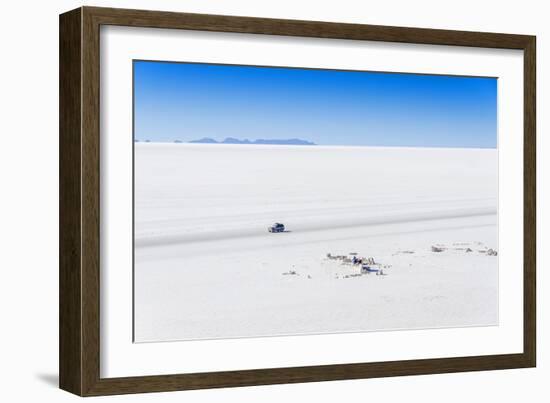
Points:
[(188, 101)]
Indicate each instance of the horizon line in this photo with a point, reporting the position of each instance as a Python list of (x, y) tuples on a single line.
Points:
[(180, 142)]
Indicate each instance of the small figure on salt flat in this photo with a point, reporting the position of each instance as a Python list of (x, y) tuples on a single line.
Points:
[(277, 227)]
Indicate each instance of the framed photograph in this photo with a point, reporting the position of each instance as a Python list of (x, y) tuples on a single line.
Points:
[(249, 201)]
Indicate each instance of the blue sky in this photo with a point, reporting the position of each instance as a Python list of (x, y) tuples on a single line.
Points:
[(188, 101)]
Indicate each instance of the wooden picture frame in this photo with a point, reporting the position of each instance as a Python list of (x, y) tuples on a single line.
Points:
[(79, 348)]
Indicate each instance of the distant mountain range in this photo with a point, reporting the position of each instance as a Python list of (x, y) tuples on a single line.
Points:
[(231, 140)]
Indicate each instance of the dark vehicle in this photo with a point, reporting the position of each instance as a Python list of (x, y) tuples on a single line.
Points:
[(277, 227)]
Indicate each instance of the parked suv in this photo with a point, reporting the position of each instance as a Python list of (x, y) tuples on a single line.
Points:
[(277, 227)]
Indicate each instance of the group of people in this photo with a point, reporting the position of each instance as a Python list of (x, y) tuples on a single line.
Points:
[(361, 260)]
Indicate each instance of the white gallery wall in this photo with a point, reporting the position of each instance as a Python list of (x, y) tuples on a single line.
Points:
[(29, 198)]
